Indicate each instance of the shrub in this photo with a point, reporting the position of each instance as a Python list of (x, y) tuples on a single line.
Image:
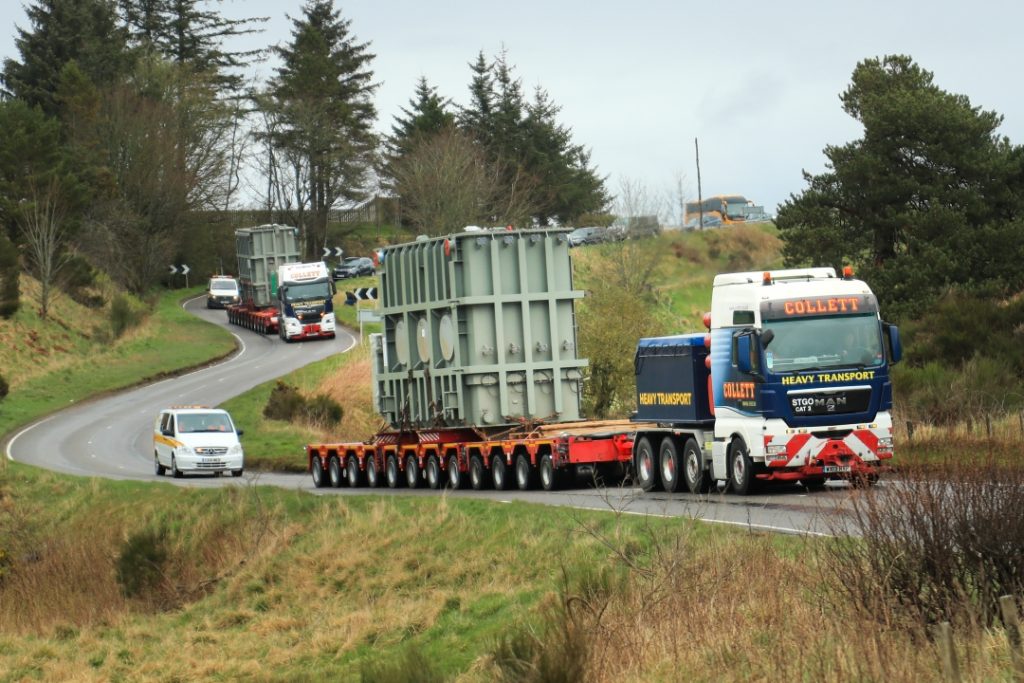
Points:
[(121, 317), (4, 388), (77, 278), (284, 403), (323, 410), (141, 562), (940, 544)]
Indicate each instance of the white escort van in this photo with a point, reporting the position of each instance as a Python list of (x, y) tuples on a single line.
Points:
[(196, 439)]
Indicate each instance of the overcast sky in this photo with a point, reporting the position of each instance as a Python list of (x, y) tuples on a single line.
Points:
[(756, 82)]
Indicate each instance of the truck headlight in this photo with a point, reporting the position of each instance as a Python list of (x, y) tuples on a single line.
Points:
[(775, 449), (885, 443)]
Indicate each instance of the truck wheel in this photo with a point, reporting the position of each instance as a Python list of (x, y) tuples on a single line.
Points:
[(319, 477), (160, 469), (372, 475), (741, 469), (352, 470), (524, 473), (815, 484), (476, 473), (412, 472), (698, 479), (548, 476), (643, 463), (334, 472), (175, 472), (670, 465), (391, 472), (499, 473), (433, 472), (455, 475)]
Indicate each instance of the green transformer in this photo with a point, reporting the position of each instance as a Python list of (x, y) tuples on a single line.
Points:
[(479, 331), (260, 251)]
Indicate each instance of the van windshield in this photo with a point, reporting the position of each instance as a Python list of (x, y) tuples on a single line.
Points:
[(203, 422), (223, 285)]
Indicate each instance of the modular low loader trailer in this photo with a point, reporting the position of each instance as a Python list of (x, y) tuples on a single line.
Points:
[(477, 377)]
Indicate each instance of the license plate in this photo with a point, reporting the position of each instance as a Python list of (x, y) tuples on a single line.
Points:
[(831, 469)]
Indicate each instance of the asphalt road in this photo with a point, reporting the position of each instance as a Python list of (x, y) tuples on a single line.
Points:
[(111, 437)]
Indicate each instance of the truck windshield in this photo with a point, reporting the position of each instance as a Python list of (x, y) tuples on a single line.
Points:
[(308, 292), (821, 343)]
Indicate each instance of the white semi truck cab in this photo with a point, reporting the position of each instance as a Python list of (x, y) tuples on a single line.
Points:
[(305, 302)]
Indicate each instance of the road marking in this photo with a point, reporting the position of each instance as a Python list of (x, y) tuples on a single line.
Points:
[(745, 525), (15, 437)]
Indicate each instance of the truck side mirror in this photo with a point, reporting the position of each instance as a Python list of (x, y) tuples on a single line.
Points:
[(895, 347), (766, 337)]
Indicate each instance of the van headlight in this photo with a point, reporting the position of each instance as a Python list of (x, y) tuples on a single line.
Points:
[(235, 450), (185, 450)]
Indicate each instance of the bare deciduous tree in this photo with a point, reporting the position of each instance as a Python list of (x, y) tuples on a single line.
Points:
[(42, 220)]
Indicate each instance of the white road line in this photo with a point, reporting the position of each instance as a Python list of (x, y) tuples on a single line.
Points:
[(15, 437), (745, 525)]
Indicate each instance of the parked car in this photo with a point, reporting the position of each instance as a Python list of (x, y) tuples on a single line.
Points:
[(221, 291), (585, 236), (196, 439), (354, 266)]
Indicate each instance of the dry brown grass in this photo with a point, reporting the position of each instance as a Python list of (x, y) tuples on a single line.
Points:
[(351, 386)]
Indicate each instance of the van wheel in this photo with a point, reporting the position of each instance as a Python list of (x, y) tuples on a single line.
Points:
[(644, 464), (160, 469), (236, 473), (334, 472), (175, 472), (698, 479)]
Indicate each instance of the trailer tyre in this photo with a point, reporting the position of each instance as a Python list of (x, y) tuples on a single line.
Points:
[(741, 468), (433, 472), (319, 477), (454, 474), (334, 472), (352, 473), (476, 473), (698, 479), (525, 475), (391, 472), (644, 464), (499, 473), (670, 467), (412, 472), (372, 475), (548, 476)]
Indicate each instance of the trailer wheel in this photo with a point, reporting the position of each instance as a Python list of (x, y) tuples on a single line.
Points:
[(525, 475), (741, 468), (698, 479), (499, 473), (391, 472), (433, 472), (454, 474), (548, 476), (412, 472), (643, 463), (668, 458), (476, 473), (372, 475), (352, 470), (334, 472), (160, 469), (319, 479)]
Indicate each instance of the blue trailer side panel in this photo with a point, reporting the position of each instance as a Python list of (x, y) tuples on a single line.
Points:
[(672, 380)]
